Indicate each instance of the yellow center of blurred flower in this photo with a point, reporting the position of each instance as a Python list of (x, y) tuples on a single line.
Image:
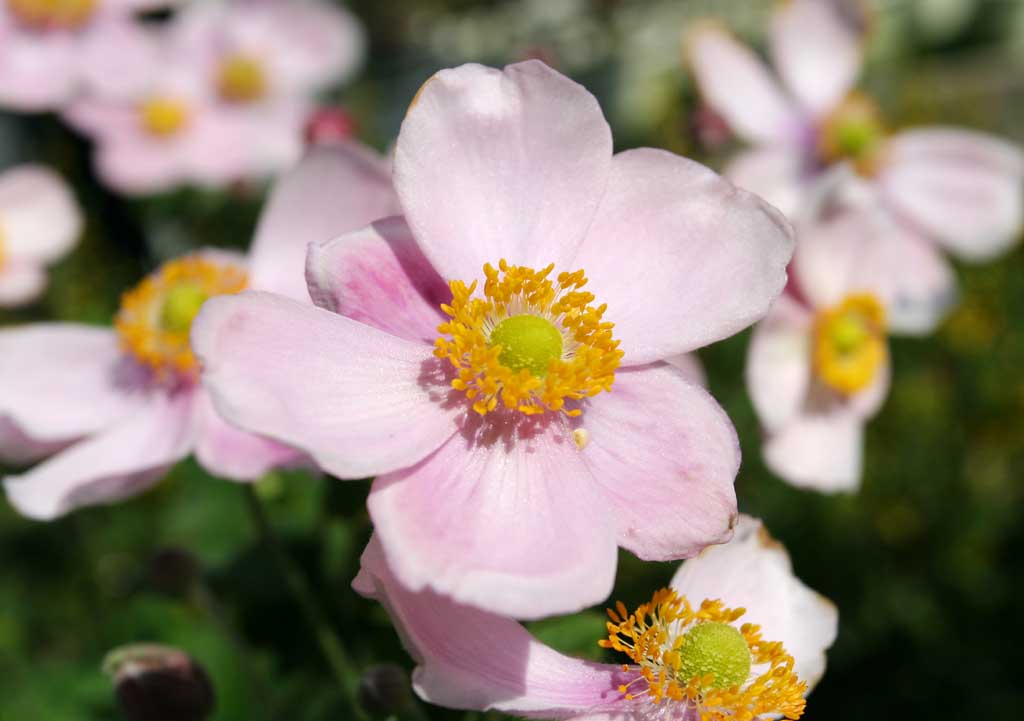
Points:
[(155, 317), (531, 343), (241, 79), (42, 14), (3, 252), (849, 343), (699, 657), (163, 116), (854, 132)]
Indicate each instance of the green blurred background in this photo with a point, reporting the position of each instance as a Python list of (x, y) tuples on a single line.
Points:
[(925, 563)]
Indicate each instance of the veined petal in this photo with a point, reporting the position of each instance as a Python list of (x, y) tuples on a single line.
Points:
[(671, 244), (40, 220), (666, 456), (779, 362), (360, 401), (691, 367), (775, 173), (494, 164), (379, 276)]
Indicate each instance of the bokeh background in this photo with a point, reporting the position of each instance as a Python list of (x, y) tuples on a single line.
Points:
[(925, 563)]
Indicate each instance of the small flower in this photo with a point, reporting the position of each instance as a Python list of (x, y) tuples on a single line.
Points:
[(116, 408), (494, 357), (40, 222), (735, 636), (814, 136)]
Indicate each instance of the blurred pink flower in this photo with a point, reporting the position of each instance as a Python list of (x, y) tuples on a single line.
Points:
[(960, 189), (506, 476), (228, 100), (118, 407), (51, 53), (40, 222), (470, 659)]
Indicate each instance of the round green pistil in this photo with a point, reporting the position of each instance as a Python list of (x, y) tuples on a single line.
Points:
[(848, 334), (856, 137), (181, 306), (715, 648), (529, 342)]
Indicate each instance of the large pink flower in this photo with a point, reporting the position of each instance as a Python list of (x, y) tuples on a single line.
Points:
[(117, 407), (506, 474), (471, 659), (947, 188), (39, 223)]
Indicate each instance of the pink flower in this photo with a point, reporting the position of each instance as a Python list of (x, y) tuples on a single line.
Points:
[(230, 99), (941, 187), (51, 52), (506, 474), (471, 659), (39, 223), (116, 408)]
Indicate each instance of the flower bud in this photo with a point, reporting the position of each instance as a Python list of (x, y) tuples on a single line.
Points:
[(384, 690), (329, 125), (159, 683)]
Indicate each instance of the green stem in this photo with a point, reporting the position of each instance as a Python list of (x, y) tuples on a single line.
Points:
[(330, 645)]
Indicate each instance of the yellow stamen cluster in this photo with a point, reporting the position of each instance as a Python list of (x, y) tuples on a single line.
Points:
[(654, 638), (155, 317), (163, 116), (854, 131), (241, 79), (586, 362), (849, 343), (42, 14)]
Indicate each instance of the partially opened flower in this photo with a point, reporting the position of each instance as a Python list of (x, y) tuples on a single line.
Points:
[(494, 356), (735, 636), (958, 189), (40, 222), (117, 407)]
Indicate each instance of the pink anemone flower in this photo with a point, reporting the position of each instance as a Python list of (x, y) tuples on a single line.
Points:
[(51, 53), (736, 636), (115, 408), (463, 354), (942, 188), (40, 222)]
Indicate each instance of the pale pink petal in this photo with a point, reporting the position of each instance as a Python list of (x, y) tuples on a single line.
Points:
[(868, 250), (40, 221), (334, 190), (505, 516), (140, 166), (867, 402), (681, 256), (19, 449), (21, 282), (231, 453), (495, 164), (471, 659), (119, 58), (817, 53), (753, 571), (819, 451), (67, 380), (739, 87), (775, 173), (38, 72), (359, 400), (691, 367), (666, 456), (964, 189), (121, 461), (779, 363), (379, 276)]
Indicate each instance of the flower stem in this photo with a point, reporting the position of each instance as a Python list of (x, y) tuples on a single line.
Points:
[(330, 645)]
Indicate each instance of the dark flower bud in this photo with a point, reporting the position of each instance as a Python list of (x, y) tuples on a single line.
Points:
[(159, 683), (329, 125), (385, 690)]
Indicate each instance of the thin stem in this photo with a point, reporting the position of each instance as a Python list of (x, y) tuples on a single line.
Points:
[(330, 645)]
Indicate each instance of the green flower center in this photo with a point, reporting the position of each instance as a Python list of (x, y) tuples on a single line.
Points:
[(849, 333), (857, 136), (181, 306), (527, 341), (718, 649)]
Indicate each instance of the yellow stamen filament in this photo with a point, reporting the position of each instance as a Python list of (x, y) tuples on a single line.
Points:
[(854, 131), (527, 376), (42, 14), (164, 116), (849, 343), (155, 317), (654, 638), (241, 79)]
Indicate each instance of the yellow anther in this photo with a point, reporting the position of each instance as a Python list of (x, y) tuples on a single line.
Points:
[(581, 437), (849, 343), (43, 14), (163, 116), (241, 79)]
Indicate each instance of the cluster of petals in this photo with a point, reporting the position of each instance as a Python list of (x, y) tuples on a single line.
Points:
[(519, 514), (111, 423), (913, 193), (471, 659), (224, 96), (40, 222)]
